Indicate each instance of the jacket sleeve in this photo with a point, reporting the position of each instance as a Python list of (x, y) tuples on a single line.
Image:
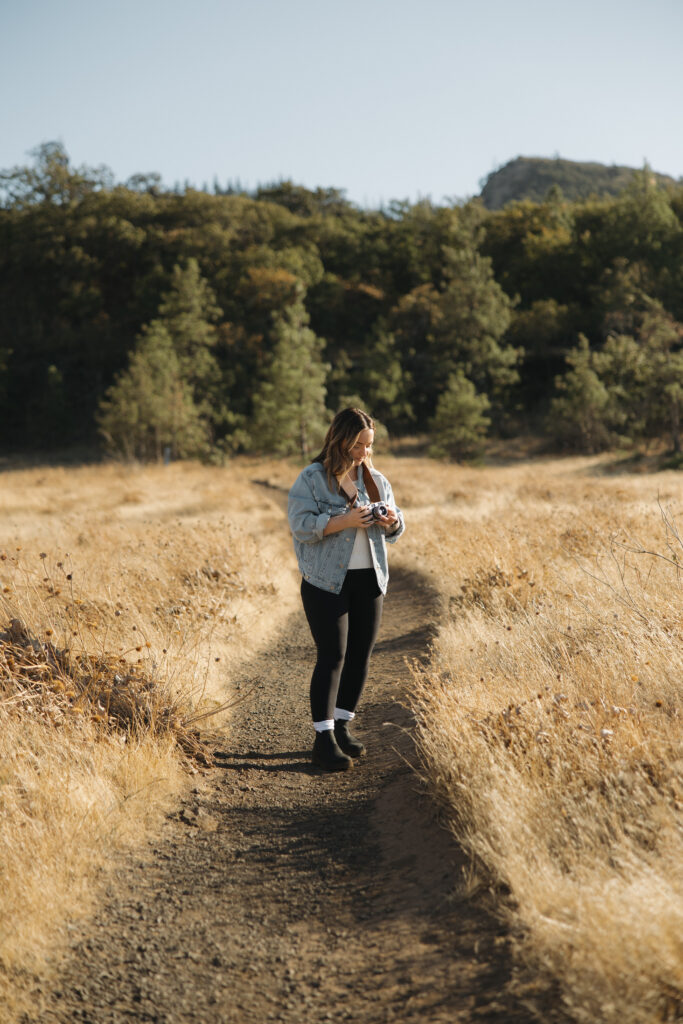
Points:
[(306, 521), (391, 538)]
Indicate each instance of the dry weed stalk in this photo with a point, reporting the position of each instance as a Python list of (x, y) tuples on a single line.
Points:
[(40, 679), (56, 680)]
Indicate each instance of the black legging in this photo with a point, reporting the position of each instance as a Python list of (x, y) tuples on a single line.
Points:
[(344, 627)]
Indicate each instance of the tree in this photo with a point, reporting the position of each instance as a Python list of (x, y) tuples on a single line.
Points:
[(4, 356), (150, 406), (581, 414), (624, 369), (641, 358), (145, 183), (642, 219), (289, 406), (302, 201), (629, 390), (188, 311), (458, 326), (662, 340), (476, 315), (51, 179), (459, 424), (379, 376)]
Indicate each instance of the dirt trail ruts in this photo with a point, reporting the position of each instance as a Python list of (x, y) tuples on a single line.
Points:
[(287, 894)]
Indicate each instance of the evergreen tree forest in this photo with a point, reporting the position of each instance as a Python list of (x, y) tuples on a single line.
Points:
[(144, 319)]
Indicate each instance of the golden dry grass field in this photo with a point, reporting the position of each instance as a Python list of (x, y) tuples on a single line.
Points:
[(171, 576), (548, 718)]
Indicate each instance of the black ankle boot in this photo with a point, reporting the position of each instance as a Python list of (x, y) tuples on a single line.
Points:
[(348, 743), (327, 755)]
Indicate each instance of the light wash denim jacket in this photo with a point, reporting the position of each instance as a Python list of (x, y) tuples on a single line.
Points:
[(323, 561)]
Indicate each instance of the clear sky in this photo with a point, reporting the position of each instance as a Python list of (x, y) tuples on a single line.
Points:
[(382, 98)]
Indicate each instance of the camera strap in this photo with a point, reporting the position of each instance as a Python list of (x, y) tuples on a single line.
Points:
[(370, 487)]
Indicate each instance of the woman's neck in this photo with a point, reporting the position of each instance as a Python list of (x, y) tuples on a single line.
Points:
[(349, 482)]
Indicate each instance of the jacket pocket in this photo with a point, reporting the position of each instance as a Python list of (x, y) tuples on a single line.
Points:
[(330, 557), (335, 509)]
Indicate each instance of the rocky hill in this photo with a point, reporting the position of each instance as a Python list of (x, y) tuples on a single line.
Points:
[(531, 177)]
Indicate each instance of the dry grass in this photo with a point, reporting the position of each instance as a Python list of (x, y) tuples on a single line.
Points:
[(129, 600), (550, 718)]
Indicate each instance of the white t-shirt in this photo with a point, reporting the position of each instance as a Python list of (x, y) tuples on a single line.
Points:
[(360, 553)]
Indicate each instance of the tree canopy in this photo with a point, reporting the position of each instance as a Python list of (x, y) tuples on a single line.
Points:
[(216, 296)]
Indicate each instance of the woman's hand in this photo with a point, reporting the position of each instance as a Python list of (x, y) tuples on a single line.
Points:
[(361, 517), (358, 516), (389, 520)]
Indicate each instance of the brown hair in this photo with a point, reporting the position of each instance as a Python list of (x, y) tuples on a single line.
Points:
[(340, 438)]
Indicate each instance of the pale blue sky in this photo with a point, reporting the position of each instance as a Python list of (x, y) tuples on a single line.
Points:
[(383, 98)]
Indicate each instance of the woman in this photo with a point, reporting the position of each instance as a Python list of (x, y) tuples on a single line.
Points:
[(339, 540)]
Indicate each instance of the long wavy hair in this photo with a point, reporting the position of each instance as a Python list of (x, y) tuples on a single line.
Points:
[(339, 440)]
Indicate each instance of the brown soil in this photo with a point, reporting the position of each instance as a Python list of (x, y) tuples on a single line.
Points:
[(282, 893)]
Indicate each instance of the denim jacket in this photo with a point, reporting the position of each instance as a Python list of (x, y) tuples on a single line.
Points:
[(323, 561)]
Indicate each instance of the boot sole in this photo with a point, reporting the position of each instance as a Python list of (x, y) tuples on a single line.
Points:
[(339, 766), (360, 751)]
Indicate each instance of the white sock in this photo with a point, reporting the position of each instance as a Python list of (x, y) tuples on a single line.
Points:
[(324, 726), (345, 716)]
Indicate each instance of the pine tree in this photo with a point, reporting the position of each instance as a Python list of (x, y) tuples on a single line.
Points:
[(289, 406), (380, 378), (188, 311), (459, 424), (661, 338), (170, 395), (458, 326), (476, 314), (150, 406), (4, 359), (582, 413)]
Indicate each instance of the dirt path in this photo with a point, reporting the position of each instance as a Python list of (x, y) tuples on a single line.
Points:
[(286, 894)]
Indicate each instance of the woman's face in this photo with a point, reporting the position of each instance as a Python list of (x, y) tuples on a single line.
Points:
[(361, 449)]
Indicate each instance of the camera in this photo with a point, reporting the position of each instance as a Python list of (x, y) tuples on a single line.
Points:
[(378, 509)]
